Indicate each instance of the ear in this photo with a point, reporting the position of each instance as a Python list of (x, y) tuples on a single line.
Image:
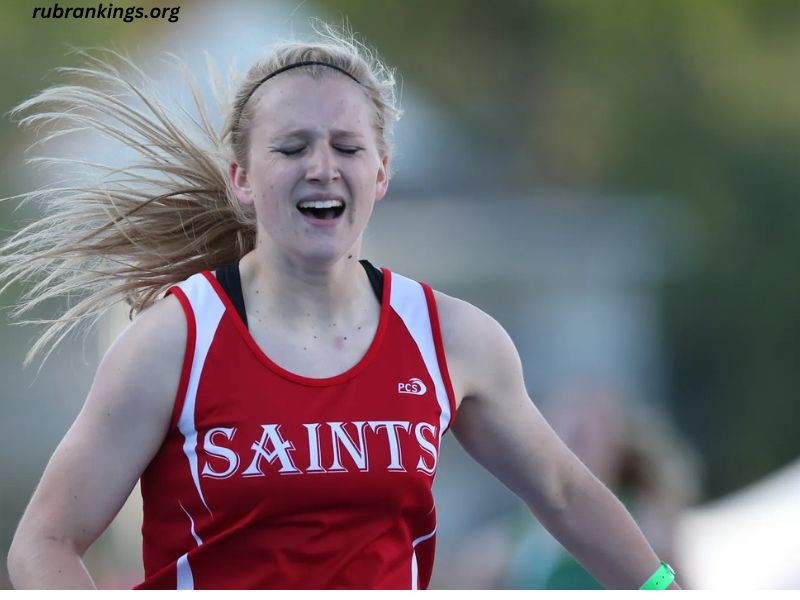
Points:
[(382, 179), (240, 184)]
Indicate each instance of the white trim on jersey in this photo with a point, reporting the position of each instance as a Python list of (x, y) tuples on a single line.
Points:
[(191, 525), (184, 570), (414, 574), (207, 309), (409, 302), (185, 578)]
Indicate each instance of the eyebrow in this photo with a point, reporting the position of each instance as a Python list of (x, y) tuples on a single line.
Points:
[(307, 133)]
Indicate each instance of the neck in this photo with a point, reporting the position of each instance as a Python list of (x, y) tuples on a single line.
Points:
[(298, 292)]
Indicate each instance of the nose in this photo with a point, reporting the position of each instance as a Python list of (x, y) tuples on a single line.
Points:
[(322, 166)]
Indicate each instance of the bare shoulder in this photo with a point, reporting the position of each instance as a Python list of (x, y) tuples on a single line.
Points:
[(129, 407), (161, 328), (144, 364), (479, 351), (497, 422), (134, 389)]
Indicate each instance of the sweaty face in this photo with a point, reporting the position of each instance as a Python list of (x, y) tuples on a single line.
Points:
[(314, 171)]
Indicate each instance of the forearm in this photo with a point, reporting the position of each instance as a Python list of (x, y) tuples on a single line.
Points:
[(47, 564), (597, 529)]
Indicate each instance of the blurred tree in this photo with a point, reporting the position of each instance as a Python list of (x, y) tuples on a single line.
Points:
[(699, 101)]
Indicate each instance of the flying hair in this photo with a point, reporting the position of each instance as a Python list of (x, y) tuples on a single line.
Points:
[(134, 231)]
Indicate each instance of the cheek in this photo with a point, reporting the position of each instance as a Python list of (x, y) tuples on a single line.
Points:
[(275, 186), (269, 211)]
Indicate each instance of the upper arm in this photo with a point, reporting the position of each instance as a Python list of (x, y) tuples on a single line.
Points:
[(119, 429), (496, 422)]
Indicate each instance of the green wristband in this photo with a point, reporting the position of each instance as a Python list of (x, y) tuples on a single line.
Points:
[(661, 579)]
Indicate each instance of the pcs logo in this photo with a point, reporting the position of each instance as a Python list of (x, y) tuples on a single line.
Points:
[(413, 386)]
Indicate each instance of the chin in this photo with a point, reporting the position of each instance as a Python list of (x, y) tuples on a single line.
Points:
[(323, 256)]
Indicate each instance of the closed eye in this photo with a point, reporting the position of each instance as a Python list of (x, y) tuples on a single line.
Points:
[(347, 149), (291, 151)]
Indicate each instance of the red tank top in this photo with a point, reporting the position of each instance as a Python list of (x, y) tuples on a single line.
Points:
[(268, 479)]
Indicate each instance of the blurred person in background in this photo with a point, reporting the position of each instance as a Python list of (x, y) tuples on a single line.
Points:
[(635, 451), (632, 448), (282, 401)]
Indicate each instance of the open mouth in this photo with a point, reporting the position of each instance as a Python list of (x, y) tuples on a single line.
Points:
[(321, 209)]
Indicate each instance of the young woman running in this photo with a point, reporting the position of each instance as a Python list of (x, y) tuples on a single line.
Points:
[(281, 400)]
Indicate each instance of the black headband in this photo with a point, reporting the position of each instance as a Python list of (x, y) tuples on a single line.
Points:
[(303, 63)]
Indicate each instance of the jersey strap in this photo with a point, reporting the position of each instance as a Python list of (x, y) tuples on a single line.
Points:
[(409, 300), (230, 279)]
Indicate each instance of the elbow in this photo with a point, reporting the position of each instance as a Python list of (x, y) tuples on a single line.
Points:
[(15, 561), (22, 557), (45, 562), (29, 552), (556, 500), (549, 502), (558, 497)]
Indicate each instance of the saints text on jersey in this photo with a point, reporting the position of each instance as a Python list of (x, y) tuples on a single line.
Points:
[(273, 451)]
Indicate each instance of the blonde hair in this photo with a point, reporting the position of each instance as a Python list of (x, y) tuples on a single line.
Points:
[(140, 229)]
